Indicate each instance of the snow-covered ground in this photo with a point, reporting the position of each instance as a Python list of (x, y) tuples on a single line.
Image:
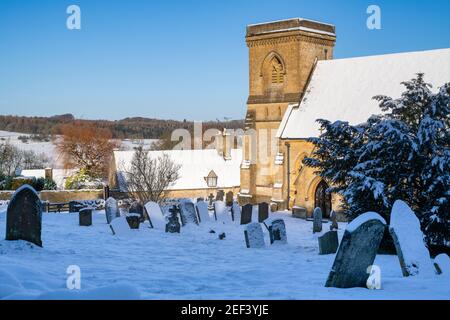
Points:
[(192, 265)]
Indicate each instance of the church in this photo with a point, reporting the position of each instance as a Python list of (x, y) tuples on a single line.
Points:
[(293, 81)]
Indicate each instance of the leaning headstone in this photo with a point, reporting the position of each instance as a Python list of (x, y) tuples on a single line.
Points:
[(220, 195), (173, 225), (156, 216), (408, 240), (24, 216), (229, 198), (134, 220), (442, 264), (357, 251), (263, 211), (85, 217), (188, 213), (246, 215), (277, 230), (254, 237), (120, 227), (328, 243), (334, 224), (236, 212), (203, 212), (317, 222), (111, 209)]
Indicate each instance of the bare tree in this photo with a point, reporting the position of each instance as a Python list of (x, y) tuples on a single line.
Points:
[(148, 178)]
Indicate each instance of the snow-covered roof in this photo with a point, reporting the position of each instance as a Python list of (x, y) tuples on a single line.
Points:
[(195, 166), (343, 89), (59, 175)]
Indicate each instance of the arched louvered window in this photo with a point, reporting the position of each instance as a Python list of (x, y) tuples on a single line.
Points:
[(277, 71)]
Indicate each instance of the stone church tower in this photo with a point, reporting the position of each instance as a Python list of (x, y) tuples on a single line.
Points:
[(282, 56)]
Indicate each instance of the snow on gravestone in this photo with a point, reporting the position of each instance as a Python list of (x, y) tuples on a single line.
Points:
[(221, 212), (202, 211), (442, 264), (357, 251), (111, 209), (277, 230), (24, 216), (157, 218), (246, 215), (120, 227), (188, 213), (408, 240), (317, 222), (254, 237), (236, 212)]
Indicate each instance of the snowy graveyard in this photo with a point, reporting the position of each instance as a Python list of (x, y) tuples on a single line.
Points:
[(116, 262)]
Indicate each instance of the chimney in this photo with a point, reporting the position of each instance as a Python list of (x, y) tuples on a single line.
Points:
[(48, 173)]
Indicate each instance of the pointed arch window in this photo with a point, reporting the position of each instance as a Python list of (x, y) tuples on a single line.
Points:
[(277, 71)]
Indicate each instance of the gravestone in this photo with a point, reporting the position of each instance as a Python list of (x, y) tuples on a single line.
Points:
[(246, 215), (211, 200), (120, 227), (263, 211), (85, 217), (188, 213), (328, 243), (200, 199), (408, 240), (111, 209), (221, 212), (220, 195), (173, 225), (299, 212), (137, 207), (236, 212), (24, 216), (442, 264), (229, 197), (134, 220), (277, 230), (334, 224), (156, 217), (254, 237), (357, 251), (202, 212), (317, 222)]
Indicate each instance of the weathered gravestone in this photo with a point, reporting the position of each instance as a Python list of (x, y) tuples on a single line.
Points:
[(134, 220), (408, 240), (85, 217), (236, 212), (221, 212), (246, 215), (173, 225), (155, 215), (111, 209), (277, 230), (220, 195), (203, 212), (24, 216), (229, 197), (188, 213), (138, 208), (254, 237), (334, 224), (211, 201), (120, 227), (357, 252), (328, 243), (442, 264), (317, 222), (299, 212), (263, 211)]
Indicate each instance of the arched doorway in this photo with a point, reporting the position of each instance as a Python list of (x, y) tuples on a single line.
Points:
[(323, 199)]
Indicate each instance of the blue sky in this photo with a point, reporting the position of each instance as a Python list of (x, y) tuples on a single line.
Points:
[(174, 59)]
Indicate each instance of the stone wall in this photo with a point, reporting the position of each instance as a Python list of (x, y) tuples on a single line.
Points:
[(61, 196)]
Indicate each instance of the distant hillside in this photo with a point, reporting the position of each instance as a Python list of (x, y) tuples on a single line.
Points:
[(128, 128)]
